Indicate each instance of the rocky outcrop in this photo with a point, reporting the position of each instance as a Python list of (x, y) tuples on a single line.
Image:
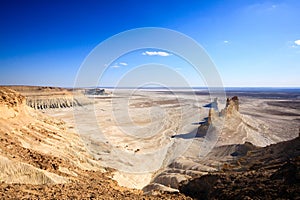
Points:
[(213, 113), (11, 103), (235, 128), (51, 103), (41, 98), (262, 173), (232, 106), (238, 159), (95, 91), (243, 149), (10, 98)]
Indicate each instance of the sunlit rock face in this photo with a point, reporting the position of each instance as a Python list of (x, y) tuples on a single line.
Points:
[(36, 148), (234, 127)]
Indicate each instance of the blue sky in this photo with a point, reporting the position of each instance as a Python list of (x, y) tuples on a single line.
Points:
[(252, 43)]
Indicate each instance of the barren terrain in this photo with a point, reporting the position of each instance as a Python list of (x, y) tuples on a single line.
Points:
[(145, 139)]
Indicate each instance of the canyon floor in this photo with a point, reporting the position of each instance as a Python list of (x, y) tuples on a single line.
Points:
[(152, 144)]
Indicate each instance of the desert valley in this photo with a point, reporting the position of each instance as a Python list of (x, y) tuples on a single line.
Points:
[(151, 99), (148, 144)]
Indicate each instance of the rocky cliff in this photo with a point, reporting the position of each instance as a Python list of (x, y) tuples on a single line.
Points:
[(49, 103), (52, 97), (234, 127)]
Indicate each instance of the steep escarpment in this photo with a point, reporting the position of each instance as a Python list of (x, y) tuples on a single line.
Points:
[(236, 128), (48, 103), (51, 97)]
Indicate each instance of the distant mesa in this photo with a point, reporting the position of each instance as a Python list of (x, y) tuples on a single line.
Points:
[(96, 91)]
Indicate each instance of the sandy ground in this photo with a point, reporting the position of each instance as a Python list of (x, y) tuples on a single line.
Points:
[(149, 139), (43, 158), (132, 131)]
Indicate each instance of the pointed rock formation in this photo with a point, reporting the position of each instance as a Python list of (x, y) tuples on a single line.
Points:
[(233, 127), (232, 106)]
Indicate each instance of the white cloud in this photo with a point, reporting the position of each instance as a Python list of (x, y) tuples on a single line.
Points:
[(297, 42), (123, 63), (226, 42), (293, 44), (118, 65), (156, 53)]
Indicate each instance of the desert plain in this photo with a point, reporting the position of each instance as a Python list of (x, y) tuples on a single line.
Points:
[(149, 143)]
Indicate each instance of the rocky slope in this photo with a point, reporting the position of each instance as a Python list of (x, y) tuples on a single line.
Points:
[(239, 137), (41, 158), (261, 173)]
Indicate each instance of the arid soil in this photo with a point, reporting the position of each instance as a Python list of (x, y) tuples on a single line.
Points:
[(88, 185), (62, 144), (262, 173), (40, 158)]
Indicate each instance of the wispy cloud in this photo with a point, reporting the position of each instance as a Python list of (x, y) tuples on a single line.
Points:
[(156, 53), (123, 63), (118, 65), (226, 42)]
